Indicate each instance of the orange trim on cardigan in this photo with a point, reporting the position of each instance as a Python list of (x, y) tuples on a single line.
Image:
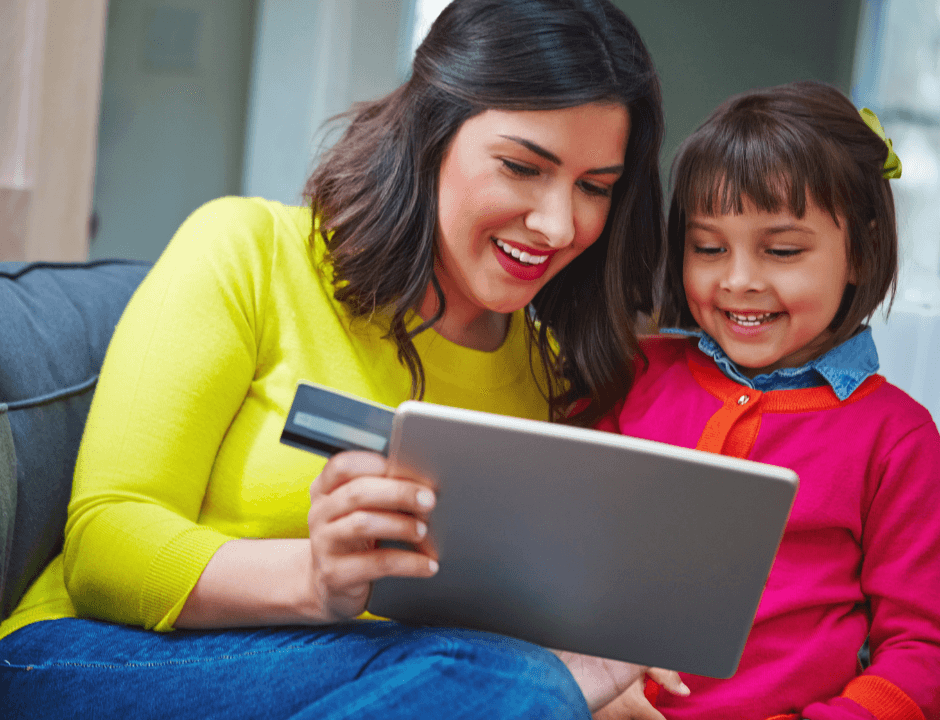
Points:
[(712, 379), (733, 428), (882, 698)]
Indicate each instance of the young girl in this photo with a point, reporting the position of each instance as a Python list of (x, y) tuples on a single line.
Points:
[(781, 242)]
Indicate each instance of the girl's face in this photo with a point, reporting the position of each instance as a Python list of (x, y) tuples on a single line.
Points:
[(521, 194), (766, 286)]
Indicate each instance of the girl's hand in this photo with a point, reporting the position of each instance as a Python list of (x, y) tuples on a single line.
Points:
[(632, 703), (353, 506), (603, 681)]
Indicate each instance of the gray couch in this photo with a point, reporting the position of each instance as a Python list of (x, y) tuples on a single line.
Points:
[(56, 320)]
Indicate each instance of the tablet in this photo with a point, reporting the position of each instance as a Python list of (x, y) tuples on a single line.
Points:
[(588, 541)]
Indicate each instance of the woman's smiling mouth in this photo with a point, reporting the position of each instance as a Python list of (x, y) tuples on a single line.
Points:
[(521, 264), (522, 256)]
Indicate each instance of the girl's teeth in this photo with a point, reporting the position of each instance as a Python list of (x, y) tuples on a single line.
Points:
[(521, 255), (750, 320)]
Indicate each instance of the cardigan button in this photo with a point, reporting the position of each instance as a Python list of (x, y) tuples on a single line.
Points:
[(743, 399)]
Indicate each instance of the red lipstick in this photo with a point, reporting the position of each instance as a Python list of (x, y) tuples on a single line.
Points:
[(520, 270)]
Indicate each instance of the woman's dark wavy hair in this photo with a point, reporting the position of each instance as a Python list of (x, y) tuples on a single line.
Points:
[(773, 146), (376, 189)]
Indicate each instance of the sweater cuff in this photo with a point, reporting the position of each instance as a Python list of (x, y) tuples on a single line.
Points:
[(882, 698), (173, 574)]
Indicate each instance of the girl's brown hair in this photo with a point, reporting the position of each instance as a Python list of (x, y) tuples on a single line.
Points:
[(773, 146), (375, 191)]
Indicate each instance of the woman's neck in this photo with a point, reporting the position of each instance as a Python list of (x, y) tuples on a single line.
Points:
[(474, 328)]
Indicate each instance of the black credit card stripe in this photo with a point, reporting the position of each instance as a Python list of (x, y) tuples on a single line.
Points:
[(310, 444)]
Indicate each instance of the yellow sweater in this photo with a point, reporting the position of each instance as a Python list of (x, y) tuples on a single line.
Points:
[(181, 450)]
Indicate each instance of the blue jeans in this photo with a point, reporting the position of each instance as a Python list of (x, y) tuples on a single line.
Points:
[(87, 668)]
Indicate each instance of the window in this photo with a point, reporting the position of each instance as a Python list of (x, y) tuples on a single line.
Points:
[(897, 74), (425, 13)]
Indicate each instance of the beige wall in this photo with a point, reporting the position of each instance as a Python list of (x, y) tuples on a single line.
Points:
[(50, 82)]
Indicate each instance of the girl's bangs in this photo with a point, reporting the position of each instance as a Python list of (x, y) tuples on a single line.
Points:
[(717, 172)]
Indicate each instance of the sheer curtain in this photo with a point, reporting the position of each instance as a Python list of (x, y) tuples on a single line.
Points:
[(897, 74)]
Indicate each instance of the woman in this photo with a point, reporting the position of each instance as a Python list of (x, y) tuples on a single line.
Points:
[(515, 170)]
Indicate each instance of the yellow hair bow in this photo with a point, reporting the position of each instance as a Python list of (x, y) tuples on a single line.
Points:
[(892, 166)]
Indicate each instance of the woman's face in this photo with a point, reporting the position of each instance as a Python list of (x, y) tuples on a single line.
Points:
[(521, 194)]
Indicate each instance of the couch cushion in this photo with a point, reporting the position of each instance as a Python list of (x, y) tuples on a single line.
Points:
[(55, 325)]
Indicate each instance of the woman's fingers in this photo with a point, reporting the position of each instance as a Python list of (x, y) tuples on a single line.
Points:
[(632, 703), (670, 680), (367, 525), (600, 679), (350, 550), (353, 508), (381, 493), (346, 571), (345, 466), (355, 480), (368, 509), (629, 705), (346, 579)]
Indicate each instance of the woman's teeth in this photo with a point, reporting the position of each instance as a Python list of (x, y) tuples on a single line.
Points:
[(521, 255), (750, 320)]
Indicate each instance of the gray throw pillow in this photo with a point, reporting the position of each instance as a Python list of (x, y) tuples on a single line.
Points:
[(7, 495), (55, 325)]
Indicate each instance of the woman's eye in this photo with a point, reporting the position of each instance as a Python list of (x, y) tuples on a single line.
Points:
[(518, 169), (594, 189), (784, 252)]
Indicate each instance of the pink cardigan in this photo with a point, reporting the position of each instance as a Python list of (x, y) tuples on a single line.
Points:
[(860, 554)]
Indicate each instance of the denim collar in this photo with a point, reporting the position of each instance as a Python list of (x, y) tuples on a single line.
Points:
[(844, 368)]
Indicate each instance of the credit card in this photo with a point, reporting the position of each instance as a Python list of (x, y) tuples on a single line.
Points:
[(327, 421)]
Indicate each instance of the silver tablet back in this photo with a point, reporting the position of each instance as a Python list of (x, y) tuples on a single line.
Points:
[(588, 541)]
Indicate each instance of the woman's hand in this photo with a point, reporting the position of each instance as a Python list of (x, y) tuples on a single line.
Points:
[(353, 505), (632, 703), (603, 681), (326, 577)]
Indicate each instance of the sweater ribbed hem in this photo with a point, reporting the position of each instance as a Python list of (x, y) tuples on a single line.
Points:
[(174, 572), (882, 698)]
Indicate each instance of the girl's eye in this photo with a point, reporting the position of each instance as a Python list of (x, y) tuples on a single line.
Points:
[(707, 249), (784, 252), (593, 189), (518, 169)]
